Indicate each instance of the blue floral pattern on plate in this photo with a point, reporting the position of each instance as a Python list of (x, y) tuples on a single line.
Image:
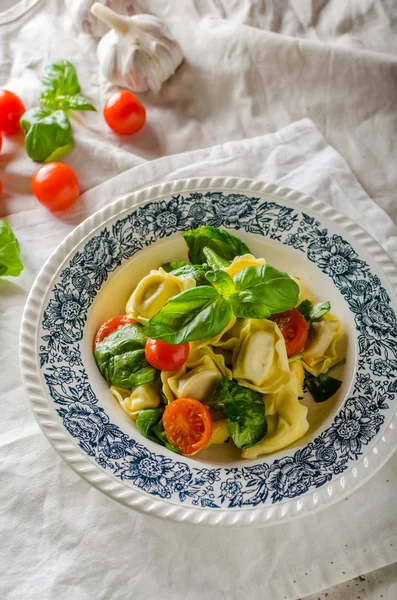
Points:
[(328, 455)]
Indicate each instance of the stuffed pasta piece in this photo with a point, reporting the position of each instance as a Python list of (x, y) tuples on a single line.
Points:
[(320, 350)]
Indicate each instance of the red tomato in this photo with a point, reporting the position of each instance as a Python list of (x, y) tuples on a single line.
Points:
[(294, 328), (56, 186), (1, 140), (111, 325), (11, 110), (166, 357), (188, 425), (1, 187), (124, 113)]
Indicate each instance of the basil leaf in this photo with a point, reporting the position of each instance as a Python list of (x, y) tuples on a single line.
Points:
[(121, 357), (60, 78), (214, 260), (323, 387), (10, 262), (195, 314), (196, 271), (158, 429), (172, 266), (263, 291), (244, 410), (145, 421), (319, 310), (65, 102), (222, 282), (305, 308), (48, 135), (225, 244)]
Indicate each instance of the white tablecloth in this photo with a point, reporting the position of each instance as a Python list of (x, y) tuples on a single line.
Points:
[(62, 539)]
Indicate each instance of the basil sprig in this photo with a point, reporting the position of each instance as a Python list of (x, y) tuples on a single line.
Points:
[(323, 387), (203, 312), (47, 128), (223, 243), (313, 312)]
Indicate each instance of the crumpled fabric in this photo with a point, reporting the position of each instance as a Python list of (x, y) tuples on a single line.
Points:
[(245, 76)]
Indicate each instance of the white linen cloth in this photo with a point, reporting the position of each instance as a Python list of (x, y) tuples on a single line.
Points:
[(63, 539)]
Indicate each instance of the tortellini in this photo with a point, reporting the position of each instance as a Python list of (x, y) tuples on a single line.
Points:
[(153, 292), (286, 421), (260, 361), (215, 341), (197, 378), (220, 433), (320, 351), (143, 396), (305, 293), (242, 262)]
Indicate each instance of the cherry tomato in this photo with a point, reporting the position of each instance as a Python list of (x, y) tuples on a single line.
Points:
[(294, 328), (56, 186), (124, 113), (1, 187), (111, 325), (188, 425), (11, 110), (1, 140), (166, 357)]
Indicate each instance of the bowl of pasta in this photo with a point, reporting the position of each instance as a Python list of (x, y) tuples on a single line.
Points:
[(216, 351)]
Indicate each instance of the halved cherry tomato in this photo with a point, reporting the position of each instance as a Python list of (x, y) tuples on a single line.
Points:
[(294, 328), (11, 110), (124, 113), (1, 140), (188, 425), (56, 186), (166, 357), (111, 325)]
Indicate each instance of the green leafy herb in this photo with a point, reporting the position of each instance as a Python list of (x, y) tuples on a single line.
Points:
[(263, 291), (196, 271), (313, 312), (244, 410), (214, 260), (295, 358), (172, 266), (10, 262), (323, 387), (195, 314), (222, 282), (61, 88), (48, 134), (223, 243), (121, 357), (150, 425)]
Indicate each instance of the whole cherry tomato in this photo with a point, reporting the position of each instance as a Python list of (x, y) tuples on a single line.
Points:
[(187, 425), (124, 113), (166, 357), (294, 328), (56, 186), (11, 110)]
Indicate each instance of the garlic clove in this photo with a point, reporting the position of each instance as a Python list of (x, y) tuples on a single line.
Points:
[(80, 13), (138, 52)]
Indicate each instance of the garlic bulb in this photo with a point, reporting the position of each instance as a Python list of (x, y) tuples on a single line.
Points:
[(80, 12), (139, 52)]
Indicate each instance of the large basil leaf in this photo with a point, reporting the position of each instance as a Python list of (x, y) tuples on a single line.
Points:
[(214, 260), (48, 134), (10, 262), (65, 102), (195, 314), (244, 410), (121, 357), (222, 282), (225, 244), (263, 291), (61, 88), (196, 271)]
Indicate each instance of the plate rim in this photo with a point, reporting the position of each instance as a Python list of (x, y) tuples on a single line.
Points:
[(288, 509)]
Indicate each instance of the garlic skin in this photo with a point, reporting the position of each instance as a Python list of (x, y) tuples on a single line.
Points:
[(80, 13), (139, 52)]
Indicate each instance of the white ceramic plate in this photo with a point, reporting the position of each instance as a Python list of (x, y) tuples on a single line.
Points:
[(89, 278)]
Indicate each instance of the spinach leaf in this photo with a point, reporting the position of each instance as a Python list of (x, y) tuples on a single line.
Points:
[(263, 291), (214, 260), (222, 282), (121, 357), (313, 312), (244, 410), (196, 271), (195, 314), (225, 244), (10, 262), (61, 88), (150, 425), (323, 387), (48, 134)]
